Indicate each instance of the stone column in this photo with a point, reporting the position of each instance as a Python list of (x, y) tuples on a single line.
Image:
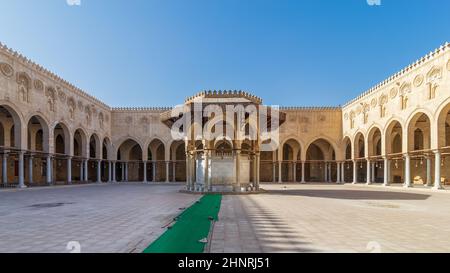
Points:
[(437, 171), (167, 171), (206, 172), (330, 178), (122, 170), (174, 171), (154, 171), (387, 166), (86, 170), (338, 179), (303, 173), (326, 172), (295, 171), (373, 170), (69, 170), (258, 166), (21, 170), (188, 171), (81, 170), (99, 171), (274, 169), (429, 181), (194, 171), (238, 170), (368, 172), (145, 171), (5, 168), (114, 177), (49, 170), (280, 180), (407, 183), (343, 172), (30, 169), (110, 172), (355, 172)]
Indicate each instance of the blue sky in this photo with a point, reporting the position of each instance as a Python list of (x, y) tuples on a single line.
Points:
[(290, 53)]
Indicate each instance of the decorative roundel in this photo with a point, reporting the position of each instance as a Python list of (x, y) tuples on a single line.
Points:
[(346, 116), (6, 69), (39, 85), (418, 80), (393, 93), (374, 102), (448, 65)]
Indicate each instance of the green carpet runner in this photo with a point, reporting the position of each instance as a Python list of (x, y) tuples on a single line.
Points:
[(190, 227)]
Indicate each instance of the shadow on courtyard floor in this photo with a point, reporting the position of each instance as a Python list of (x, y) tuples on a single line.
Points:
[(274, 234), (351, 194)]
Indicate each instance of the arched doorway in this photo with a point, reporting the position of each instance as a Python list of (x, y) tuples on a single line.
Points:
[(419, 144), (178, 161), (10, 140), (130, 167), (291, 154), (61, 137), (159, 168), (394, 151), (38, 157), (360, 158), (106, 173), (443, 155), (267, 170), (320, 156), (79, 155), (94, 158), (348, 163), (375, 155)]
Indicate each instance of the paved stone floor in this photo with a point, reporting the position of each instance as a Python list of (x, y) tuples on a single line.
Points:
[(334, 218), (287, 218), (102, 218)]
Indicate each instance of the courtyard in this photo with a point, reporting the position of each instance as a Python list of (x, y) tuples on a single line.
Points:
[(334, 218), (101, 218), (286, 218)]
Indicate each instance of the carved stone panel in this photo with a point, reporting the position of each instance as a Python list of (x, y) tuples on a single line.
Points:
[(6, 70)]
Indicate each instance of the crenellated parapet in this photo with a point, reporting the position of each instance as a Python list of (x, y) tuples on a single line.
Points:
[(140, 109), (312, 109), (410, 68), (37, 83), (225, 94), (423, 85)]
